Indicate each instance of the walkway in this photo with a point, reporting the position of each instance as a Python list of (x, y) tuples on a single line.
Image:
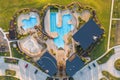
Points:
[(111, 14), (7, 41)]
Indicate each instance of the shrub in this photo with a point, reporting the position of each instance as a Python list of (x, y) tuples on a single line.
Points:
[(10, 72), (10, 60), (117, 64)]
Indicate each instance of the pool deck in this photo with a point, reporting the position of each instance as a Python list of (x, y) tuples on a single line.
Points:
[(61, 55), (59, 17), (26, 16), (54, 34), (47, 25), (30, 46), (85, 15)]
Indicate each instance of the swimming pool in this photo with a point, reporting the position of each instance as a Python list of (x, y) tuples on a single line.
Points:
[(64, 29), (29, 23)]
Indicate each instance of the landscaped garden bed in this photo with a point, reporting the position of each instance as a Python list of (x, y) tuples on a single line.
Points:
[(8, 78), (117, 64), (10, 72), (109, 76), (11, 60)]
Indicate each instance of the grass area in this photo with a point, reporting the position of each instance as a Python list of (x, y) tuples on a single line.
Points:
[(106, 57), (113, 30), (8, 78), (10, 72), (9, 7), (99, 49), (16, 53), (116, 11), (4, 54), (109, 76)]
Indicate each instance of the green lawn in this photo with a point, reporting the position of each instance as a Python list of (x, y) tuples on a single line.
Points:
[(105, 58), (9, 7), (4, 54), (16, 53), (116, 11), (113, 32)]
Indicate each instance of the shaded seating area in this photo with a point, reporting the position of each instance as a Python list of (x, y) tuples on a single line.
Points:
[(74, 64), (88, 34), (48, 63)]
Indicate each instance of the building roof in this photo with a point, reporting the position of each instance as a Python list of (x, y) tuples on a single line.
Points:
[(74, 65), (48, 63), (88, 34), (12, 34)]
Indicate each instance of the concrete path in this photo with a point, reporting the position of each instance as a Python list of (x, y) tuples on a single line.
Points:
[(7, 41), (109, 34)]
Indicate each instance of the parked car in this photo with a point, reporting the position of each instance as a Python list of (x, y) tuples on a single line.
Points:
[(94, 65), (65, 79), (26, 65), (56, 79), (89, 67), (36, 71)]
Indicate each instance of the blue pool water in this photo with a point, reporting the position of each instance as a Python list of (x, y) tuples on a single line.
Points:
[(64, 29), (29, 23)]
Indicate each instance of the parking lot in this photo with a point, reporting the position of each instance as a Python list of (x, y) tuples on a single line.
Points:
[(21, 72), (93, 72), (89, 72), (3, 43)]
